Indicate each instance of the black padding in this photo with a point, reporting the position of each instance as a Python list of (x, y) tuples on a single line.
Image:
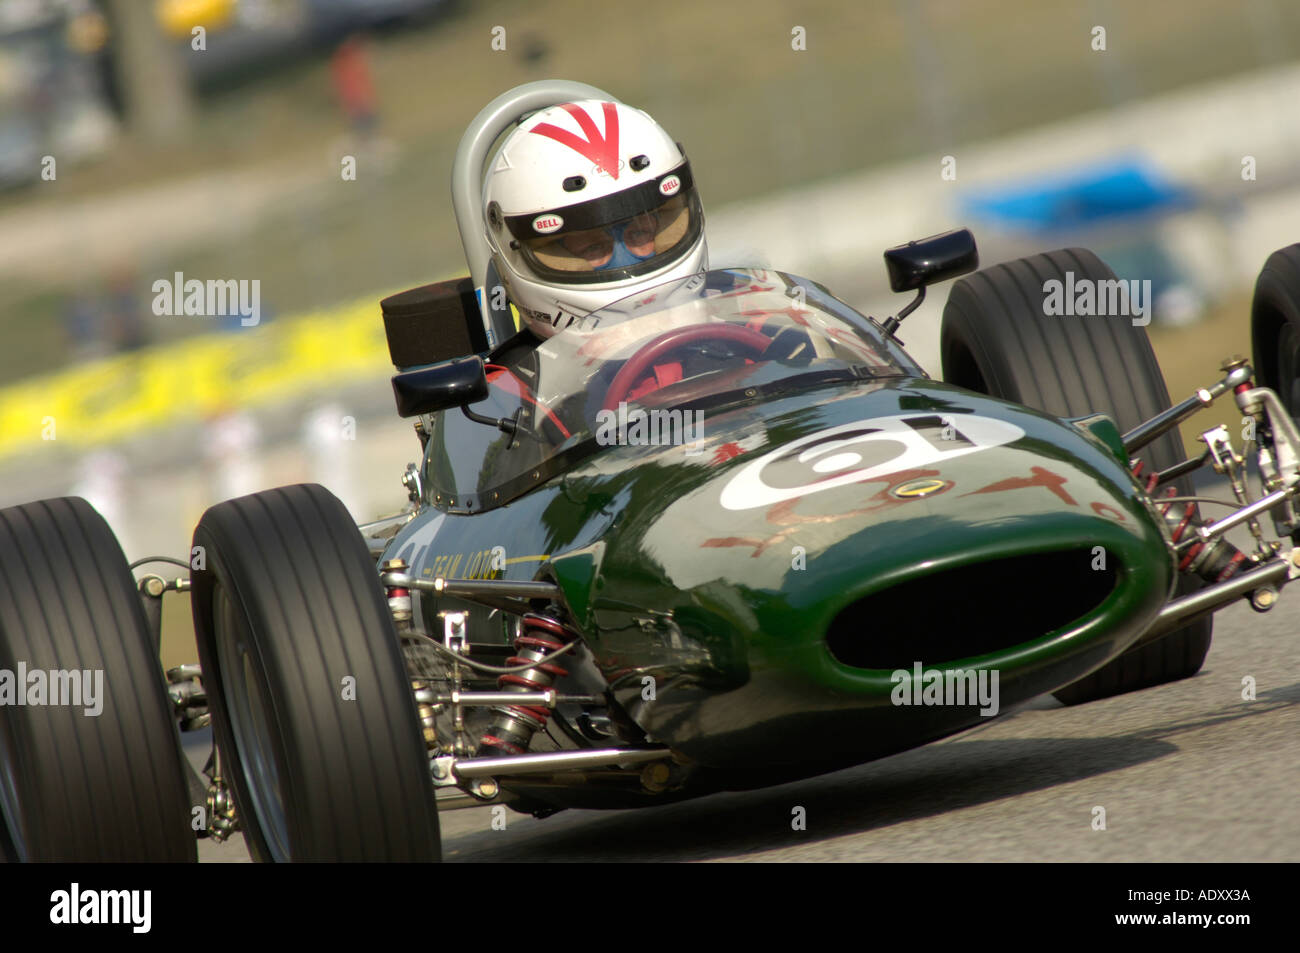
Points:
[(433, 323)]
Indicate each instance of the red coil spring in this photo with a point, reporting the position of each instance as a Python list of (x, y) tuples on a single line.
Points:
[(535, 636), (1224, 570), (1189, 513), (1152, 479)]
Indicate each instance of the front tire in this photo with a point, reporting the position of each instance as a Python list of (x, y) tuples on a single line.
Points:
[(79, 787), (311, 703), (997, 340)]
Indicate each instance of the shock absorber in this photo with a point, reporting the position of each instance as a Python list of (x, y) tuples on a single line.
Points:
[(1213, 560), (512, 726)]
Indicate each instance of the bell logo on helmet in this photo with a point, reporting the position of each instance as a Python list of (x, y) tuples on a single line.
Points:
[(545, 224), (602, 150), (670, 184)]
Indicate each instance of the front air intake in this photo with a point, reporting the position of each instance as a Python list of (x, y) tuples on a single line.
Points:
[(971, 610)]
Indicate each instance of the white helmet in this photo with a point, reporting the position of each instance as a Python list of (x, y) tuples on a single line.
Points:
[(585, 203)]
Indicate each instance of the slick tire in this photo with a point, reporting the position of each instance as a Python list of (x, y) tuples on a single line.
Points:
[(77, 787), (311, 704), (1275, 326), (995, 339)]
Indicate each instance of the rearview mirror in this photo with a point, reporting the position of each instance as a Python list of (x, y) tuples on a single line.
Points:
[(426, 390), (931, 260)]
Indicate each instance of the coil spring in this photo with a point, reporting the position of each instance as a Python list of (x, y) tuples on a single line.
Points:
[(1215, 560), (513, 726)]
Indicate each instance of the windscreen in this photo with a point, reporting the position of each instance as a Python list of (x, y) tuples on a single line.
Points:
[(702, 341)]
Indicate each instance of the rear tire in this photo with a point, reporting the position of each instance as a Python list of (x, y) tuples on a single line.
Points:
[(1275, 326), (287, 609), (76, 787), (996, 339)]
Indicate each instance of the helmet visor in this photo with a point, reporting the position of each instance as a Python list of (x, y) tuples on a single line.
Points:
[(621, 236)]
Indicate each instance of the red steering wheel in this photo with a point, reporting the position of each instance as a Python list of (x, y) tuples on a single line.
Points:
[(641, 362)]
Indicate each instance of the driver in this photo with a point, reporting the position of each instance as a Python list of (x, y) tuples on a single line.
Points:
[(586, 203)]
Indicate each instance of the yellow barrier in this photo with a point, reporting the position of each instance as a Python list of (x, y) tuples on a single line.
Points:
[(105, 400), (179, 17)]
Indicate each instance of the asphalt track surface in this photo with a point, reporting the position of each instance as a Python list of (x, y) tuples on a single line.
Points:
[(1185, 772)]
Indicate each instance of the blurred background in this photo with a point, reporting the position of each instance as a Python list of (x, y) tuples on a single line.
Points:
[(144, 138)]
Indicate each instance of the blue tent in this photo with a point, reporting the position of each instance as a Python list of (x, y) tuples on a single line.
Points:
[(1109, 192)]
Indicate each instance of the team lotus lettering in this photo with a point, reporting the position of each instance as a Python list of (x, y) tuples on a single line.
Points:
[(864, 450), (482, 564)]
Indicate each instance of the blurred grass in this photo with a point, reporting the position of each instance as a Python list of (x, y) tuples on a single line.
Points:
[(725, 80), (178, 646), (878, 81), (1190, 358)]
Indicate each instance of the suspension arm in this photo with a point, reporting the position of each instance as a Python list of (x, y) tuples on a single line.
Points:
[(1163, 422)]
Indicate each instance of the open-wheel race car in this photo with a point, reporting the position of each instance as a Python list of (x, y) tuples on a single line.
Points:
[(615, 586)]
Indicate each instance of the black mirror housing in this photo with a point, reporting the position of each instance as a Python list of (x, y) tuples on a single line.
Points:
[(931, 260), (426, 390)]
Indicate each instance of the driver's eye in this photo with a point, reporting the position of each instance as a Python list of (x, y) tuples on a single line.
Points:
[(588, 244), (640, 231)]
